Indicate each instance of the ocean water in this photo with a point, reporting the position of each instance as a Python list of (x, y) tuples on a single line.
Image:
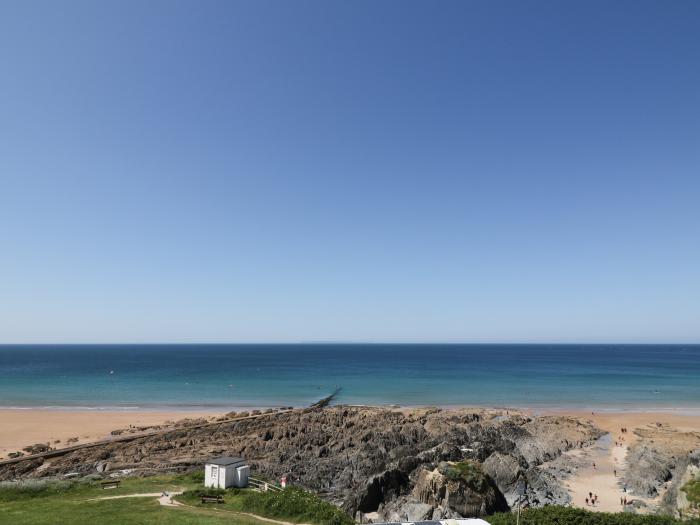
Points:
[(134, 377)]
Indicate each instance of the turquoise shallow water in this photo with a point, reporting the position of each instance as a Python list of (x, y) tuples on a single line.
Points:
[(197, 376)]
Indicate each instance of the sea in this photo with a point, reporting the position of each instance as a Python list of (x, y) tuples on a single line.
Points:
[(236, 376)]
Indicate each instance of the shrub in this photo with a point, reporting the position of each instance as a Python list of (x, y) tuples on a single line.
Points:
[(295, 504), (692, 492), (32, 488), (466, 471), (556, 515), (211, 491), (196, 476)]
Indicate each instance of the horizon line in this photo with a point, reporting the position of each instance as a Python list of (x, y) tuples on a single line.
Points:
[(378, 343)]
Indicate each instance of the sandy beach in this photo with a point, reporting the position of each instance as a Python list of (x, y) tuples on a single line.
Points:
[(20, 428), (609, 454)]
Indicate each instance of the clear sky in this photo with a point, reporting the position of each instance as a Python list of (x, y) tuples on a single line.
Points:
[(350, 171)]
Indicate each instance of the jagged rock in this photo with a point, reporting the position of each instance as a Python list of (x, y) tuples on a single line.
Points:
[(461, 487), (648, 468), (442, 513), (418, 511), (379, 489), (404, 509), (544, 489), (360, 457), (504, 469), (37, 448), (675, 500), (657, 463)]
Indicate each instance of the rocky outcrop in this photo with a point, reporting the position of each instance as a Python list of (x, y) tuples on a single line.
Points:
[(365, 459), (505, 470), (468, 491), (657, 461), (648, 469), (675, 501), (385, 487), (37, 448)]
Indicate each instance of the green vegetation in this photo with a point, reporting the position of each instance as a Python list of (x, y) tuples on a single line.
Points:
[(44, 502), (553, 515), (292, 504), (36, 488), (88, 487), (466, 471), (692, 492)]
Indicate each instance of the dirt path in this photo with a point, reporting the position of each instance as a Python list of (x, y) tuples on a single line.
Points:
[(270, 520), (176, 503), (165, 498), (238, 513)]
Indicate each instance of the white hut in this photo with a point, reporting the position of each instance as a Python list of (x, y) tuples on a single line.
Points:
[(225, 472)]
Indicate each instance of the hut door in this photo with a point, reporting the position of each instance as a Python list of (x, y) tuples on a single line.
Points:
[(215, 475)]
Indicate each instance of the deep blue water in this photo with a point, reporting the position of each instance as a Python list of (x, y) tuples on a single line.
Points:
[(152, 376)]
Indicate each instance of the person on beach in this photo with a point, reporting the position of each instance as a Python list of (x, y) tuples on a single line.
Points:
[(615, 472), (590, 495), (586, 502), (594, 465)]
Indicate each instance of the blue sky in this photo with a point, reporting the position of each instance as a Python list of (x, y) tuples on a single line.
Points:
[(349, 171)]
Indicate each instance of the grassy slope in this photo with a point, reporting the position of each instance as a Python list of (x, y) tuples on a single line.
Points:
[(57, 504), (293, 505), (692, 491), (51, 504)]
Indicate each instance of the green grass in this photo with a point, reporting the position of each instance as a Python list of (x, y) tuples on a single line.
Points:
[(692, 492), (554, 515), (56, 502), (85, 489), (44, 502), (39, 502), (292, 504), (466, 471)]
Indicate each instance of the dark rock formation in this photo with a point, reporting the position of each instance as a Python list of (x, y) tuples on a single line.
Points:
[(658, 460), (366, 459), (37, 449), (467, 494), (648, 469)]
